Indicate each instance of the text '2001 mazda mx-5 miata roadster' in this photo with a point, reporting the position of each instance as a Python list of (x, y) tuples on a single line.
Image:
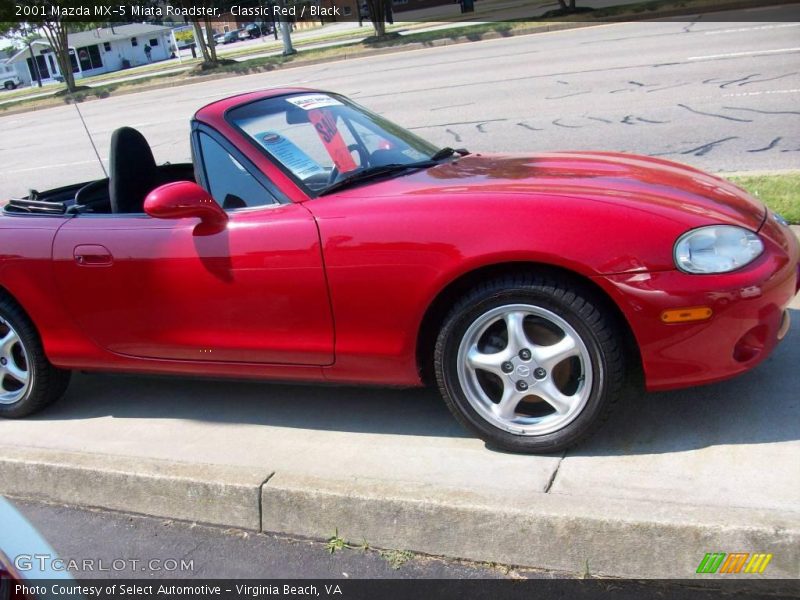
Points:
[(311, 239)]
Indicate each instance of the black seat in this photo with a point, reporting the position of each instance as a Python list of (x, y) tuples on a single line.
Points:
[(134, 173)]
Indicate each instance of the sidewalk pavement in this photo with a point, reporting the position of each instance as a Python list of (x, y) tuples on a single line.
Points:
[(668, 479)]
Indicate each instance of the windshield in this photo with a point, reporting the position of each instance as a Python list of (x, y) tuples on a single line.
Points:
[(322, 139)]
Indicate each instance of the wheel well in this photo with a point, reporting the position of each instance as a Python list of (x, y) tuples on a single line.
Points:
[(438, 310), (6, 295)]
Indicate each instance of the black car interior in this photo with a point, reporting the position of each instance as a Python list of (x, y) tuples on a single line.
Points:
[(133, 174)]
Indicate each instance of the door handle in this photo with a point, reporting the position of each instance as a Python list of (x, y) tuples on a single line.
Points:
[(93, 255)]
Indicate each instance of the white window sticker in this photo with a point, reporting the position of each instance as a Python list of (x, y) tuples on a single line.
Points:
[(313, 101), (290, 155)]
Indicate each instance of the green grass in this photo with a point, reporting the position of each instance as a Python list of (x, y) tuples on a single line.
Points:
[(780, 192), (473, 33), (335, 542), (151, 69), (396, 558)]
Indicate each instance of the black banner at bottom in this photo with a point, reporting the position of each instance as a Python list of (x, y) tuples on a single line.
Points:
[(389, 589)]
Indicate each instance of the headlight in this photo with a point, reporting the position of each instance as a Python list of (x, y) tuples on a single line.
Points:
[(716, 249)]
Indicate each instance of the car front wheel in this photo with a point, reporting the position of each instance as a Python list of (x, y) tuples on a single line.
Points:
[(28, 382), (531, 363)]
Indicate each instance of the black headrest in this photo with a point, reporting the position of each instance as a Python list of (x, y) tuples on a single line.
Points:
[(134, 173)]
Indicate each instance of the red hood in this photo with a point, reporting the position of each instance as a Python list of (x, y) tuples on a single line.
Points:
[(637, 181)]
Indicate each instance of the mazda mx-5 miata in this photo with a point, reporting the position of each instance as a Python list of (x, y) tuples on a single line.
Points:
[(313, 240)]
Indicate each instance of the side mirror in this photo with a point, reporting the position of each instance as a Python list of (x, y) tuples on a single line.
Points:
[(183, 199)]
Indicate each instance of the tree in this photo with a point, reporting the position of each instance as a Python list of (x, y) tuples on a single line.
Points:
[(54, 27), (567, 5), (200, 39), (7, 28), (56, 31), (205, 41), (211, 44), (13, 32), (286, 36), (380, 11)]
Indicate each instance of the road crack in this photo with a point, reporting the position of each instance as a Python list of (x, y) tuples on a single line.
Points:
[(261, 501), (707, 114), (764, 112), (552, 479), (770, 146), (706, 148)]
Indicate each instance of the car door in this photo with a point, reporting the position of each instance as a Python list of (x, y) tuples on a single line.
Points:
[(255, 292)]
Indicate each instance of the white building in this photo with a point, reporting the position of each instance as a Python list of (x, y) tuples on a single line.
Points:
[(96, 51)]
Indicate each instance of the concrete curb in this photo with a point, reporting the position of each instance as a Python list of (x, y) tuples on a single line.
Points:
[(618, 538), (621, 538), (218, 495)]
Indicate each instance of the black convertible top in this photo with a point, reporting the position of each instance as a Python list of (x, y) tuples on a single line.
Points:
[(24, 205)]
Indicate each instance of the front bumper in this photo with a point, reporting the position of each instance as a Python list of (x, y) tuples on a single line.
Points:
[(750, 314)]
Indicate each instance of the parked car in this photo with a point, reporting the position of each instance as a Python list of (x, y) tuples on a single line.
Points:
[(230, 37), (9, 79), (255, 30), (320, 242)]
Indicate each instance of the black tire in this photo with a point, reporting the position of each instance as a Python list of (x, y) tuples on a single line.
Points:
[(47, 383), (612, 372), (9, 85)]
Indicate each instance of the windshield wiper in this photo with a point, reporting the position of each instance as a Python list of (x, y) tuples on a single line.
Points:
[(375, 171), (447, 151)]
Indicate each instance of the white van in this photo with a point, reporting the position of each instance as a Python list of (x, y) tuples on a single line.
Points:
[(9, 78)]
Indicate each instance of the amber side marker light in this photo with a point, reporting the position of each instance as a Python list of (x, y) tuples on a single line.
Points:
[(682, 315)]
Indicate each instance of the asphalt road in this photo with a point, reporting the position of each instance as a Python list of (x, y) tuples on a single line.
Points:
[(212, 552), (719, 95), (117, 546)]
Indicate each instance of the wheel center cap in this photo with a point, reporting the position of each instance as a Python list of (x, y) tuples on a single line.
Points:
[(523, 371)]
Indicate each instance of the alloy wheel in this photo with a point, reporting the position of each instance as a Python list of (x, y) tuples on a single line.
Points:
[(15, 375), (524, 369)]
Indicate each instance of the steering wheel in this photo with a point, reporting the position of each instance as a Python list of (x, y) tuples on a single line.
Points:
[(363, 159)]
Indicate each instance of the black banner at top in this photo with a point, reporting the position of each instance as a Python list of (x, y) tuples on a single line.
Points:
[(328, 11)]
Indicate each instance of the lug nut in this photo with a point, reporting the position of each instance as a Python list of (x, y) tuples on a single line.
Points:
[(3, 361), (507, 367), (525, 354), (539, 373), (522, 386)]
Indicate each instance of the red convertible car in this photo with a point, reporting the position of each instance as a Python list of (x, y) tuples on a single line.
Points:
[(313, 240)]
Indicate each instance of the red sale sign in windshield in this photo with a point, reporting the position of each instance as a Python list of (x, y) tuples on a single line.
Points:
[(325, 124)]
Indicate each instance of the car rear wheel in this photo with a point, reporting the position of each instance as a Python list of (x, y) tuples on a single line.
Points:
[(9, 85), (531, 363), (28, 382)]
